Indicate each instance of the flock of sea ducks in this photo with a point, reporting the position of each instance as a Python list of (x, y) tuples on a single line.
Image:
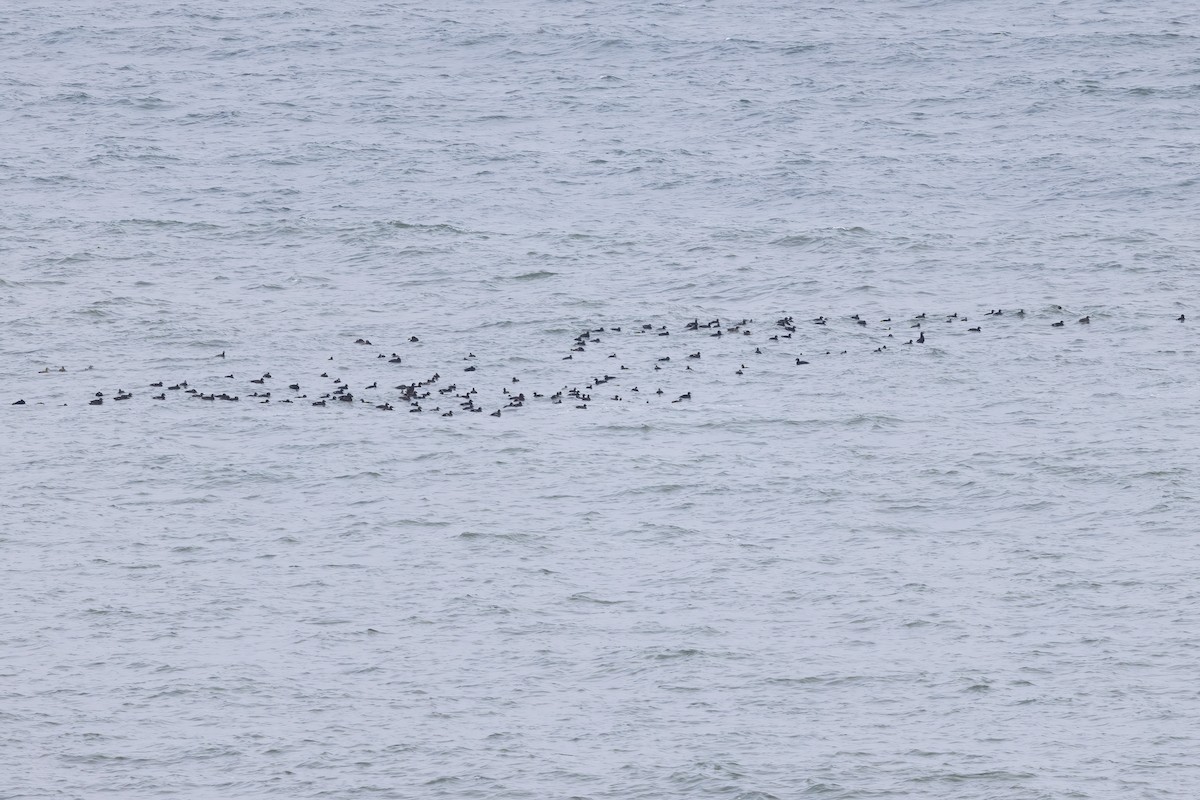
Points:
[(453, 396)]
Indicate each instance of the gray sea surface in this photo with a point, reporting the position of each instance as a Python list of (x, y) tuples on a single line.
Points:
[(962, 568)]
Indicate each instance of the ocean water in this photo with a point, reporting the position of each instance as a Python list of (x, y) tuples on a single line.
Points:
[(957, 568)]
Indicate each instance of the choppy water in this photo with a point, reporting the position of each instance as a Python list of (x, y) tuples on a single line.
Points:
[(962, 569)]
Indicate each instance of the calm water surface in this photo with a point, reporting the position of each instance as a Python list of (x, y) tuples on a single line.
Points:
[(957, 569)]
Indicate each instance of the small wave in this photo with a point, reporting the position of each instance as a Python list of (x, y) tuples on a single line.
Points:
[(958, 777), (436, 228), (582, 597), (818, 239)]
